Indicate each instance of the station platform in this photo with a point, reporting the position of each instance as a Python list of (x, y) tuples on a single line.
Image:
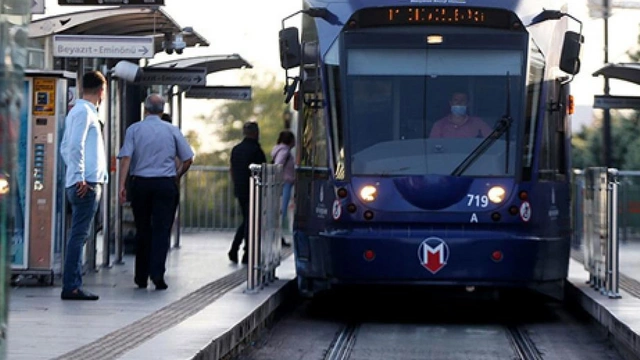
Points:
[(207, 312), (619, 316)]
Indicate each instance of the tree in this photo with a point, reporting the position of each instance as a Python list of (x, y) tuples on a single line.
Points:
[(266, 108), (625, 129)]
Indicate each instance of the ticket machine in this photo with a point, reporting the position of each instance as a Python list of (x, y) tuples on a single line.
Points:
[(38, 232)]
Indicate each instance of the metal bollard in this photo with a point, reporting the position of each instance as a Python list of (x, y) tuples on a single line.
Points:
[(264, 225), (613, 249), (253, 271)]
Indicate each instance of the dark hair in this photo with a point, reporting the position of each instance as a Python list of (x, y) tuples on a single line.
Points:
[(166, 117), (93, 81), (286, 137), (250, 128)]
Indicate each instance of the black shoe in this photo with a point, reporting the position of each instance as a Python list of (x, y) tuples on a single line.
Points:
[(233, 256), (245, 259), (78, 294), (142, 284), (160, 284), (285, 244)]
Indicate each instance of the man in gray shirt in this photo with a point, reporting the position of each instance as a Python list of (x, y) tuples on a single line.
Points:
[(148, 154)]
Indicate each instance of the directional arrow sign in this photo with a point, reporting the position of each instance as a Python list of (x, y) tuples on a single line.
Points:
[(220, 92), (111, 2), (172, 76), (37, 6), (98, 46)]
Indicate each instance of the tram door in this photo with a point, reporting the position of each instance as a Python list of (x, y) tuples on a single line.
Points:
[(38, 231)]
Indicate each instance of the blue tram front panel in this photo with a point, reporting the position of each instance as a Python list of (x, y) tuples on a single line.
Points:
[(462, 239)]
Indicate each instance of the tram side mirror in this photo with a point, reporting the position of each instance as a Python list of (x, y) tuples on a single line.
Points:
[(571, 48), (289, 48), (127, 71)]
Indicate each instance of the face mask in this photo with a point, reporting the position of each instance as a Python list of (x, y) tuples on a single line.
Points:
[(459, 110)]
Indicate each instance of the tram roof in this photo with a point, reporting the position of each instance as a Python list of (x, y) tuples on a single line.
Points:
[(622, 71), (120, 21), (212, 63)]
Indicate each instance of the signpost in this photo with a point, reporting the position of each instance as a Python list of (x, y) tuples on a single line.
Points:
[(173, 76), (112, 2), (98, 46), (220, 92), (616, 102)]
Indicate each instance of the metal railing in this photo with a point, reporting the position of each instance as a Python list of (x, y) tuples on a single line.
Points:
[(596, 210), (265, 230), (207, 202)]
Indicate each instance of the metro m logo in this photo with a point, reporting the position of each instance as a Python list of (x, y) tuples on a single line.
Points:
[(433, 254)]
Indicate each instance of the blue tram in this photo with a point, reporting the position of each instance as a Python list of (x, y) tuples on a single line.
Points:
[(433, 142)]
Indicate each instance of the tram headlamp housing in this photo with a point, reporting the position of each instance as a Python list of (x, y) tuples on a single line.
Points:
[(497, 194), (368, 193)]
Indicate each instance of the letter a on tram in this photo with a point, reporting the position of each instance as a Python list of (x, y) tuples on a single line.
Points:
[(433, 254)]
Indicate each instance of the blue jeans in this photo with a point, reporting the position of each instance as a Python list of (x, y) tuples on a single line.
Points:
[(286, 195), (83, 211)]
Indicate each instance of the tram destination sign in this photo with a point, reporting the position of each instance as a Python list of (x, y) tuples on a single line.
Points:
[(99, 46), (220, 92), (173, 76), (112, 2)]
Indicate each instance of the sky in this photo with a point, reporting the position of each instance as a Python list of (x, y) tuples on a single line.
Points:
[(250, 29), (624, 26)]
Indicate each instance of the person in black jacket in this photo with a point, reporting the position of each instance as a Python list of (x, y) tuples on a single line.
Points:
[(247, 152)]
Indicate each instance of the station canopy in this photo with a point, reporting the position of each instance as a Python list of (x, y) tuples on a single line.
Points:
[(623, 71), (121, 21), (212, 63)]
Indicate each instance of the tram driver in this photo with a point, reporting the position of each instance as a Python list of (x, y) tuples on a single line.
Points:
[(458, 124)]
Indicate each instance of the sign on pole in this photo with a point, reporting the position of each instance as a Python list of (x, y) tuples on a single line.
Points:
[(616, 102), (37, 6), (597, 9), (99, 46), (220, 92), (172, 76), (111, 2)]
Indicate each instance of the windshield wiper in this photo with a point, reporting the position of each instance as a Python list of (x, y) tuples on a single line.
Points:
[(502, 126)]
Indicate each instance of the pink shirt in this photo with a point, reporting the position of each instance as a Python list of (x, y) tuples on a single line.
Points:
[(281, 154), (473, 127)]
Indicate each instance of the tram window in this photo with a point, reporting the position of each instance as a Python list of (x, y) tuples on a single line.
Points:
[(335, 97), (534, 88)]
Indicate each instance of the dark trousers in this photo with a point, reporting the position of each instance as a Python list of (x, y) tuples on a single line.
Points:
[(153, 203), (242, 232)]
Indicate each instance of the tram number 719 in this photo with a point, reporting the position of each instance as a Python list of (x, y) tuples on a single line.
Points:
[(477, 200)]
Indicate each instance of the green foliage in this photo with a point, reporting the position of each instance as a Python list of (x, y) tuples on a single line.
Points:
[(588, 147), (266, 109)]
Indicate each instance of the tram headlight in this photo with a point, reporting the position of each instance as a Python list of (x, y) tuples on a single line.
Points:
[(368, 193), (4, 185), (434, 39), (497, 194)]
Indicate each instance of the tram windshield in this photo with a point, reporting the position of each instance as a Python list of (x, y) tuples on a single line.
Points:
[(413, 110)]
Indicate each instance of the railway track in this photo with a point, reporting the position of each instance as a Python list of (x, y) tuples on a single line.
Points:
[(522, 343), (343, 343)]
